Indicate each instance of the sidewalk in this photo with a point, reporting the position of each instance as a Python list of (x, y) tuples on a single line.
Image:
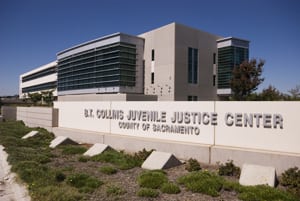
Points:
[(10, 189)]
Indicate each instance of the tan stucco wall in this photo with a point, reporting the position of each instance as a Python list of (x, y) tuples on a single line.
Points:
[(171, 43), (162, 40), (206, 44)]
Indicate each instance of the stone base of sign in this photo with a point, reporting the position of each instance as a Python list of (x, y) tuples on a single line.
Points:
[(181, 150), (281, 161), (200, 152), (97, 149), (252, 175), (30, 134), (160, 160), (203, 153), (61, 140), (80, 135)]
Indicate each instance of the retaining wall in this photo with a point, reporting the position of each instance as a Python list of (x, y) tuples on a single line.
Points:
[(38, 117)]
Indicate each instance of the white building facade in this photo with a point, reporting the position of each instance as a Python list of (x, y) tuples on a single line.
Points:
[(43, 78)]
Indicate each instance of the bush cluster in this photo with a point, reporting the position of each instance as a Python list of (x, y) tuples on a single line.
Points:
[(151, 181), (122, 160), (108, 170), (84, 182), (148, 192), (192, 165), (229, 169), (115, 190), (72, 149), (202, 182), (291, 179), (142, 155)]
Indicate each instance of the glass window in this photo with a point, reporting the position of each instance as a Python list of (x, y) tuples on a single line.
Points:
[(152, 55), (152, 78), (40, 74), (214, 58), (214, 80), (106, 66), (228, 58), (192, 65), (192, 98)]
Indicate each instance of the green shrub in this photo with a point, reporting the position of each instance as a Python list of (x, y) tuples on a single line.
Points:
[(265, 193), (113, 190), (192, 165), (202, 182), (122, 160), (141, 156), (108, 170), (29, 159), (84, 182), (170, 188), (148, 192), (59, 176), (57, 193), (152, 179), (73, 149), (232, 186), (291, 179), (21, 153), (229, 169), (83, 159), (42, 139), (30, 171), (257, 193)]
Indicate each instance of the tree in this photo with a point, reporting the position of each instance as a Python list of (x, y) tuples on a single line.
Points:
[(271, 94), (246, 78), (35, 97), (47, 96), (295, 92)]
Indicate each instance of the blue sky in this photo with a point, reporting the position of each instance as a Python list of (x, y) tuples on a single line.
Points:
[(33, 31)]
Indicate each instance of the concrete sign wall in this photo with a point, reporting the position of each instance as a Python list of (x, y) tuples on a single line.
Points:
[(270, 126), (169, 121), (83, 115), (175, 121)]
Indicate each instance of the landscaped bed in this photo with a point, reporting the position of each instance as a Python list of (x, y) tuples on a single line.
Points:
[(64, 174)]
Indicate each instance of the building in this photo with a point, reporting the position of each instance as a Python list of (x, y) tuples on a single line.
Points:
[(170, 63), (111, 64), (179, 63), (231, 52), (43, 78)]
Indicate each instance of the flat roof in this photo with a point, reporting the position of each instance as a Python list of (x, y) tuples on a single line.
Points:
[(232, 38), (96, 40)]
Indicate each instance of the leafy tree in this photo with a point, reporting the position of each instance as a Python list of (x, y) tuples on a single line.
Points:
[(246, 78), (271, 94), (295, 92), (35, 97), (47, 96)]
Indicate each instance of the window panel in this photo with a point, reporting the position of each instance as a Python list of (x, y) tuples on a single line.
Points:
[(100, 67), (192, 65)]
